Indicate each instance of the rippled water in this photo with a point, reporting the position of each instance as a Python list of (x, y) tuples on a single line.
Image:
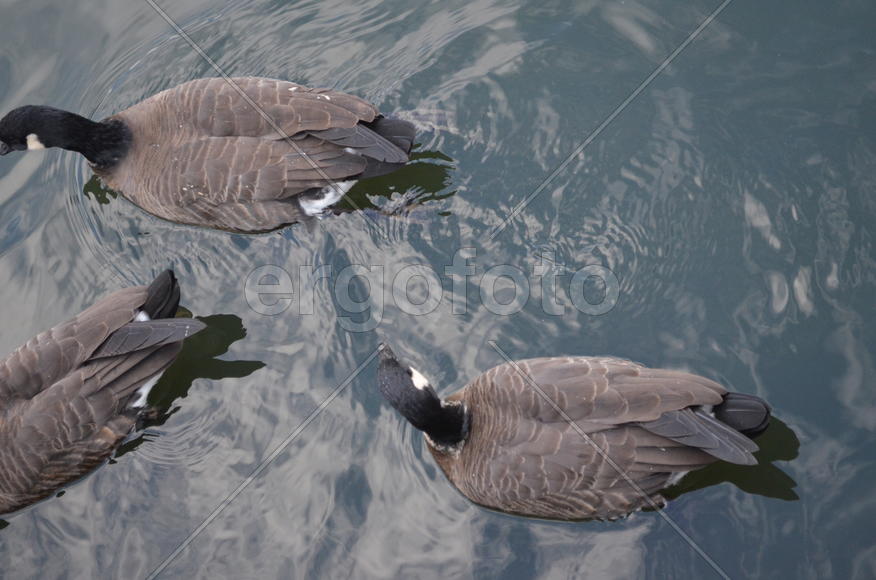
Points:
[(732, 199)]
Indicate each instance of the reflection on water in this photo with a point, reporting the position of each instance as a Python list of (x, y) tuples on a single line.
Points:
[(778, 443), (729, 199), (96, 190), (196, 360), (426, 178)]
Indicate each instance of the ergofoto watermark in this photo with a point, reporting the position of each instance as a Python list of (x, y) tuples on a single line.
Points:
[(361, 292)]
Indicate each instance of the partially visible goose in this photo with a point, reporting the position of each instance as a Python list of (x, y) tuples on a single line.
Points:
[(503, 446), (200, 154), (69, 396)]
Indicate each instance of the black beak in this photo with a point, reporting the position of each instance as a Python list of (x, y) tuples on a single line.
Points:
[(4, 148)]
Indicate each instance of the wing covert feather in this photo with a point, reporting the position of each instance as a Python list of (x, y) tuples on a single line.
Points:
[(616, 457), (52, 354)]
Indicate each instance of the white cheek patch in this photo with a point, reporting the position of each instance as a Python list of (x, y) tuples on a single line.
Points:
[(33, 142), (420, 381)]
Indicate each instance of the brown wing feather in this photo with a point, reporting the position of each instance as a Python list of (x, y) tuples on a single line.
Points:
[(524, 457), (57, 437), (224, 165), (62, 413), (211, 107), (52, 354), (248, 169), (244, 184)]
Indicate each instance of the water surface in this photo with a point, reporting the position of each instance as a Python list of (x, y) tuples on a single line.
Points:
[(732, 199)]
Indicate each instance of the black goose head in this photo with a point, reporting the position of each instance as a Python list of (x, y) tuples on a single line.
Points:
[(40, 127), (445, 424), (32, 127)]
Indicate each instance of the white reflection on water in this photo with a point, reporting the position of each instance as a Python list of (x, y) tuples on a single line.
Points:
[(729, 200)]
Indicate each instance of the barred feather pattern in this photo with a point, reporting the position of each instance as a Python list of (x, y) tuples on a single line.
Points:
[(62, 410), (202, 155), (523, 457)]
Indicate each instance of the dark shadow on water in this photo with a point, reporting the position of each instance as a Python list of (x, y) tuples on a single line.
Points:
[(426, 178), (95, 188), (778, 443), (198, 359)]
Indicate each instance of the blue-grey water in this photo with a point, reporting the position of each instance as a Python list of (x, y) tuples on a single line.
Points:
[(732, 200)]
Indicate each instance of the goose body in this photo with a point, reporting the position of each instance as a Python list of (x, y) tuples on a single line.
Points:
[(503, 446), (69, 396), (202, 154)]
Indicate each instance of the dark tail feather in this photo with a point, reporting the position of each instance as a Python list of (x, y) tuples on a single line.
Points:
[(699, 430), (124, 375), (399, 133), (137, 336), (384, 143), (162, 297), (747, 414), (365, 141)]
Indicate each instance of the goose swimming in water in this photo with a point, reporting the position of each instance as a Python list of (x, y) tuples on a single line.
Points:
[(204, 153), (70, 396), (504, 447)]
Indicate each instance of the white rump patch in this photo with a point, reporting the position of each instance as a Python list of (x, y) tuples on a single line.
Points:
[(33, 142), (143, 392), (420, 381), (328, 196), (676, 477), (142, 317), (351, 150)]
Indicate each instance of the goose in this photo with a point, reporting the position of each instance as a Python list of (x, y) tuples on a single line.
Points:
[(203, 153), (70, 396), (503, 446)]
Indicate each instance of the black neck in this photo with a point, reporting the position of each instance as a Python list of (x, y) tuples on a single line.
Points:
[(449, 426), (446, 424), (103, 143)]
